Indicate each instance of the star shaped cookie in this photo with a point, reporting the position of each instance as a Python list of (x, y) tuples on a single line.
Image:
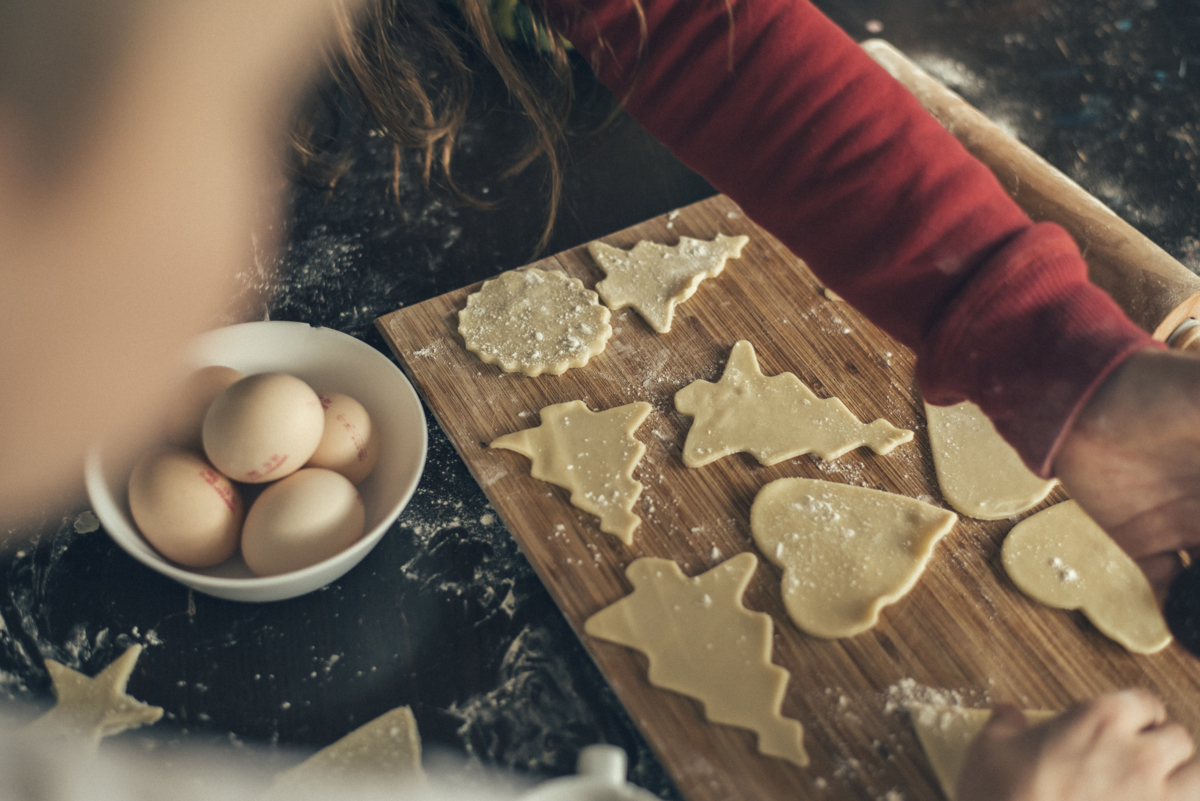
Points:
[(90, 709), (774, 418), (654, 278), (592, 454), (702, 642)]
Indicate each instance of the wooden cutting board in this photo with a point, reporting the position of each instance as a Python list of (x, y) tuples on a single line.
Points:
[(964, 634)]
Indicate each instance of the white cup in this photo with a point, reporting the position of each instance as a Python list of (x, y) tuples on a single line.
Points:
[(600, 776)]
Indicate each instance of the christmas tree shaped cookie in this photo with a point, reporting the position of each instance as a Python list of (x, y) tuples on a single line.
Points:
[(592, 454), (846, 551), (702, 642), (774, 418), (654, 278)]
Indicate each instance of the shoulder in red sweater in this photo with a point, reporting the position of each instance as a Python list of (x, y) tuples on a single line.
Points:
[(780, 110)]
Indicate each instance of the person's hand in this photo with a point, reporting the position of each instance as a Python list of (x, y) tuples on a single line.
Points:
[(1132, 460), (1117, 747)]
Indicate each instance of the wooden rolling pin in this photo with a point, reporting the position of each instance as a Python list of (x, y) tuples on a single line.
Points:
[(1156, 291)]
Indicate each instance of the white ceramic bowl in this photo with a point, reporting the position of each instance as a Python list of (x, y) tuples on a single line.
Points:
[(326, 359)]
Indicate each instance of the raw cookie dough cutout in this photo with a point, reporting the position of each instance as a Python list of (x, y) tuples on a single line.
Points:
[(774, 418), (1063, 559), (946, 732), (846, 552), (979, 473), (387, 748), (592, 454), (92, 708), (654, 278), (702, 642), (534, 321)]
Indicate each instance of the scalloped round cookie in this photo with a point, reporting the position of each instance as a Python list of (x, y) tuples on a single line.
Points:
[(534, 321)]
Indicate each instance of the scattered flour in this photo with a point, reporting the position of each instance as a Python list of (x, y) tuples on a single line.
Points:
[(552, 722), (86, 523), (907, 692)]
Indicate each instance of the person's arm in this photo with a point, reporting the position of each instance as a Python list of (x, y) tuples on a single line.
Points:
[(782, 111), (1118, 747), (1132, 460)]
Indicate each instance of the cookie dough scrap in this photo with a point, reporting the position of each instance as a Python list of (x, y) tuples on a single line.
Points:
[(592, 454), (387, 749), (846, 552), (979, 473), (1061, 558), (654, 278), (534, 321), (92, 708), (946, 732), (773, 418), (702, 642)]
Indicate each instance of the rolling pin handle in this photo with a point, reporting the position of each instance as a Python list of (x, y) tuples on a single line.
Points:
[(1186, 336), (1154, 289)]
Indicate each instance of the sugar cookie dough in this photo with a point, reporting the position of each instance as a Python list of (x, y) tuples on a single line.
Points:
[(979, 473), (846, 552), (654, 278), (534, 321), (702, 642), (946, 732), (90, 709), (592, 454), (1063, 559), (774, 418), (387, 748)]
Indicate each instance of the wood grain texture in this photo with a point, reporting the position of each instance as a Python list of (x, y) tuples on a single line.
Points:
[(963, 629)]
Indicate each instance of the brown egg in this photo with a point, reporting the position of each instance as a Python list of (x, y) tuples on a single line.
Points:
[(188, 511), (189, 404), (263, 428), (301, 520), (350, 443)]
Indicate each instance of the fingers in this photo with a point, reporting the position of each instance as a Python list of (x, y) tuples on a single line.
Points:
[(1006, 721), (1170, 524), (1123, 712), (1117, 746), (1160, 569), (1131, 728), (1171, 746), (1184, 783)]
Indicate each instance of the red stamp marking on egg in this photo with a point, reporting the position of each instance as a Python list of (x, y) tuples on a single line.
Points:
[(271, 465), (325, 402), (214, 480), (355, 437)]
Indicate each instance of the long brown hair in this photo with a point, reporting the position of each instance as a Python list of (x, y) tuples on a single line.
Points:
[(405, 62)]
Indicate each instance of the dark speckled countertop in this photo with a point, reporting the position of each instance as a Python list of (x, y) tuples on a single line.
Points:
[(445, 614)]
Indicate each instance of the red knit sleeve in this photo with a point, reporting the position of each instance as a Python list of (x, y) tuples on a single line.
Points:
[(821, 147)]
